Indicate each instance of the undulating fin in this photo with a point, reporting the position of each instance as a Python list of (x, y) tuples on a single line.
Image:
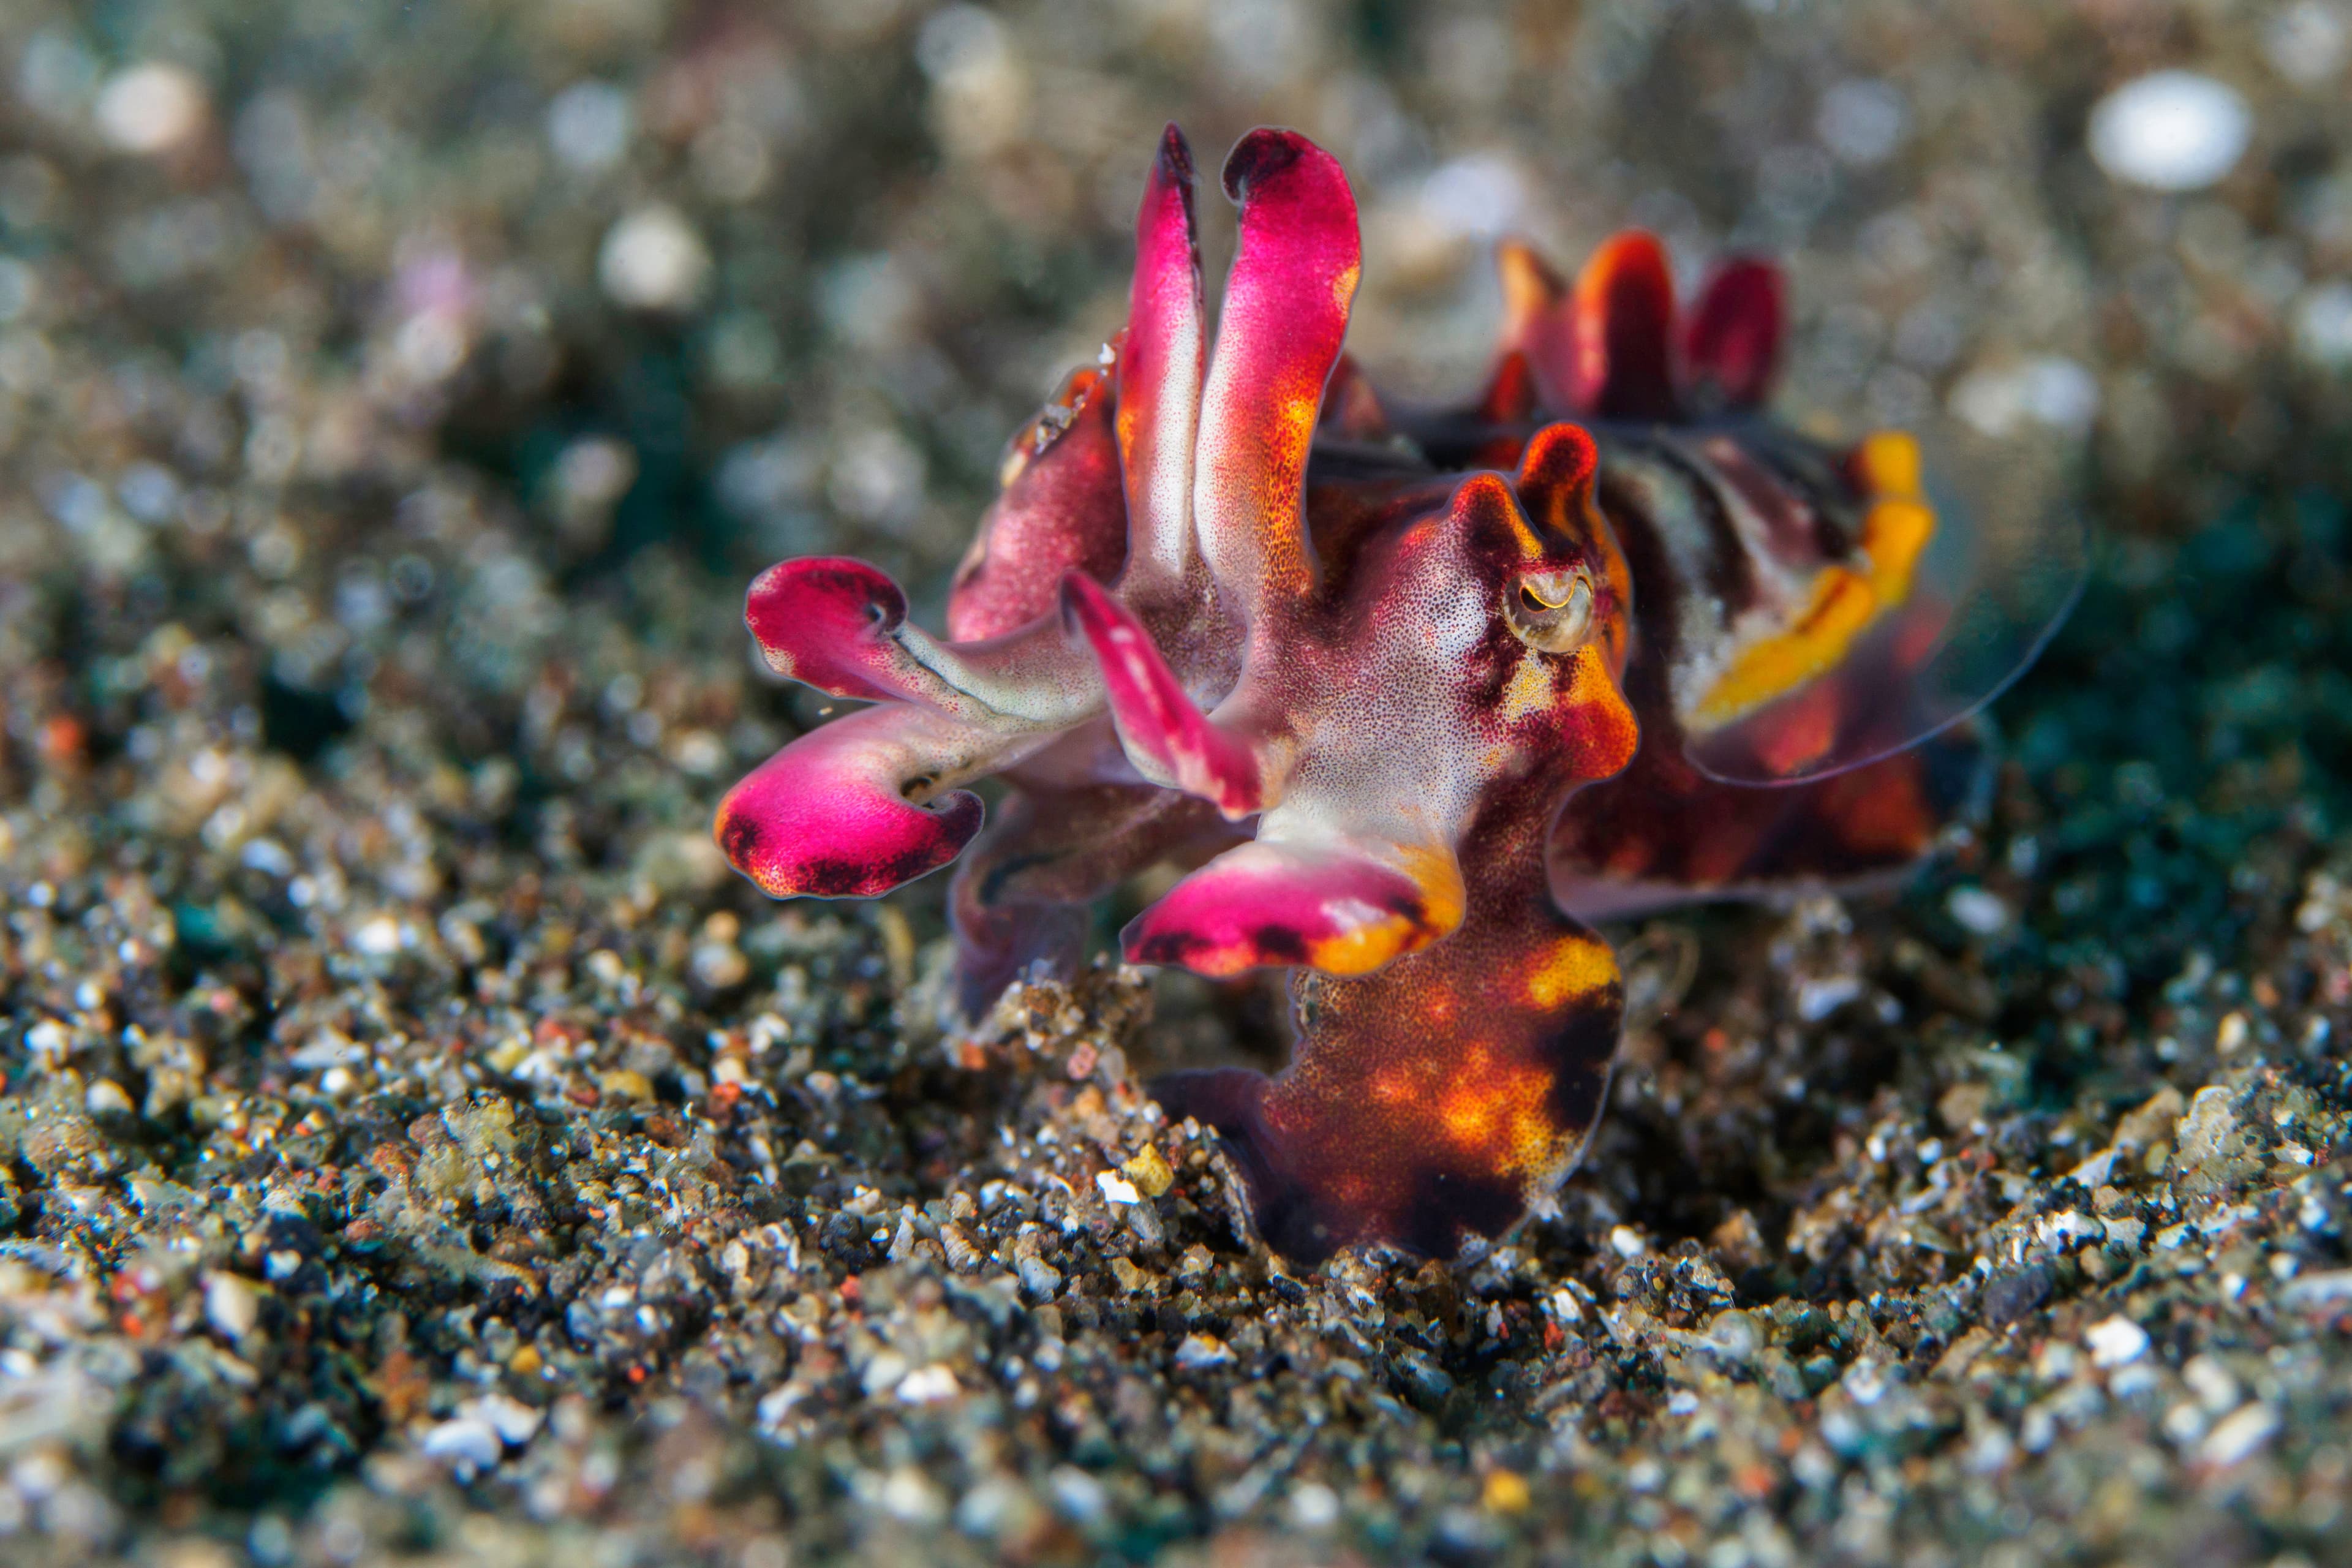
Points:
[(1792, 723), (1170, 741), (1731, 344), (1160, 369), (1662, 833), (1061, 510), (854, 808), (1279, 333), (1624, 314), (1328, 904), (1961, 601)]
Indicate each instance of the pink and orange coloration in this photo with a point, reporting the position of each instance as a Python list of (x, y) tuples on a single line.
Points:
[(1351, 661)]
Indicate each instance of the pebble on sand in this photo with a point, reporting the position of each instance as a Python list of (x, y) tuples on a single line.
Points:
[(652, 260), (151, 108), (2171, 131)]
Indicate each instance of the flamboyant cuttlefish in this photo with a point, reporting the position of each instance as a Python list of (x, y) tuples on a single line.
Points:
[(1235, 610)]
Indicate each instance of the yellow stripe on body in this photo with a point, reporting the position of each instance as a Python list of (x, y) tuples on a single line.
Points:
[(1895, 531), (1577, 967)]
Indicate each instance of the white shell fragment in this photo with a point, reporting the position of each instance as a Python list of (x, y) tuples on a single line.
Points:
[(2116, 1341), (151, 107), (2171, 131), (654, 260)]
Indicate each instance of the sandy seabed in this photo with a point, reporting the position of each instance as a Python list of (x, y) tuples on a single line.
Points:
[(416, 1144)]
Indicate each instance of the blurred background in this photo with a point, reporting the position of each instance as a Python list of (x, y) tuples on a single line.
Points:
[(740, 280), (350, 322)]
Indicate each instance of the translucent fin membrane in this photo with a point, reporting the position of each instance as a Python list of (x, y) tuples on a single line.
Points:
[(2003, 565)]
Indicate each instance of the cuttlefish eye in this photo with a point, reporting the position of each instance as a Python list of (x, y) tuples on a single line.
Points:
[(1550, 611)]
